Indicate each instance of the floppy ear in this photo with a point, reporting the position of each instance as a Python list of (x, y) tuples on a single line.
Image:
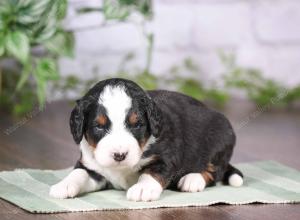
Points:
[(77, 119), (154, 116)]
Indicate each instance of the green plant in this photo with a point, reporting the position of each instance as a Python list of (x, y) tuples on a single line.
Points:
[(259, 89), (117, 11), (121, 9), (31, 33), (188, 85), (194, 87)]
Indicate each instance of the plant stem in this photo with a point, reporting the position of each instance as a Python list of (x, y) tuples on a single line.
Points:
[(149, 53)]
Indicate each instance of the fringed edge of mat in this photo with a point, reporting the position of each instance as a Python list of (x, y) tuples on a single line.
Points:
[(167, 206)]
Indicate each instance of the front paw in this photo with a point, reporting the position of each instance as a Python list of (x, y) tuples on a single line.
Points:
[(64, 189), (147, 189)]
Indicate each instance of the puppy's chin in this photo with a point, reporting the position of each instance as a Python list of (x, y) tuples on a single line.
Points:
[(109, 163)]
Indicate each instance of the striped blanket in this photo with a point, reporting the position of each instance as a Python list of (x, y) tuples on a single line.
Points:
[(265, 182)]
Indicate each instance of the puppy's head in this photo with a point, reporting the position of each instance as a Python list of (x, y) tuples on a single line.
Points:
[(116, 119)]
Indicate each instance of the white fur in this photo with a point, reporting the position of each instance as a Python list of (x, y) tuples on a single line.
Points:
[(146, 189), (120, 177), (77, 182), (192, 182), (119, 139), (235, 180), (151, 140)]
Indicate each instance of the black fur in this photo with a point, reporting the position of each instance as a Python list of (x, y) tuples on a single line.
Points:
[(92, 173), (189, 135), (78, 117)]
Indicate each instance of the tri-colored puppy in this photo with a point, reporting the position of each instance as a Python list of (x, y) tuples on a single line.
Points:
[(147, 141)]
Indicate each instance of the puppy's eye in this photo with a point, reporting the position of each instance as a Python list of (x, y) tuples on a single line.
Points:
[(99, 127), (137, 125)]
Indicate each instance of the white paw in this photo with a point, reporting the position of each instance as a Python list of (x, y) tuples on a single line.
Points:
[(192, 182), (235, 180), (147, 189), (64, 189)]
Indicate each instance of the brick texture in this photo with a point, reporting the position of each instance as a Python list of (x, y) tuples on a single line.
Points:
[(262, 33)]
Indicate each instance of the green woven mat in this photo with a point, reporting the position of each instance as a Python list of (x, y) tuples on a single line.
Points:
[(265, 182)]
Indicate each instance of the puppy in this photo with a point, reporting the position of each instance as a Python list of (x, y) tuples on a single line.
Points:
[(145, 142)]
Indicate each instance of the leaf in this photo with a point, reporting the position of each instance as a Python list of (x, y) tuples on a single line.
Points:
[(218, 96), (190, 65), (41, 83), (192, 88), (114, 10), (61, 8), (17, 44), (39, 7), (1, 24), (45, 30), (145, 7), (88, 10), (146, 80), (71, 82), (62, 43), (23, 78), (21, 4), (5, 6), (292, 95), (25, 19), (142, 6), (46, 69), (41, 92), (28, 13)]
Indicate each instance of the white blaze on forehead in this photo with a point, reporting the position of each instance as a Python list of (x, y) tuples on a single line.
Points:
[(116, 102), (118, 140)]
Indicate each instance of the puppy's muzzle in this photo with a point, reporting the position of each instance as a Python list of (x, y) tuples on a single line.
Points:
[(119, 156)]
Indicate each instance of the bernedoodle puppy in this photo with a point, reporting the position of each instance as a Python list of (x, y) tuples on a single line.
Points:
[(145, 142)]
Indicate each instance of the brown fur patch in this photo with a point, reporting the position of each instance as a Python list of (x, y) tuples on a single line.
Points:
[(207, 174), (143, 142), (133, 118), (207, 177), (158, 178), (102, 120), (210, 168), (90, 141), (148, 160)]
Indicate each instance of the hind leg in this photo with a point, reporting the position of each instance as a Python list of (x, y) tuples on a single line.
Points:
[(233, 176), (214, 172), (192, 182), (196, 182)]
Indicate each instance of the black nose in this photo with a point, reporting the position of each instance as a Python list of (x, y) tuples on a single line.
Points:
[(120, 156)]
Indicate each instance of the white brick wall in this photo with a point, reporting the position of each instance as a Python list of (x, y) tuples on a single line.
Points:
[(262, 33), (172, 26), (277, 21), (225, 25)]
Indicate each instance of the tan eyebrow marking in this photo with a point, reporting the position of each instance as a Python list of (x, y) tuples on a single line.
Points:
[(133, 118), (102, 119)]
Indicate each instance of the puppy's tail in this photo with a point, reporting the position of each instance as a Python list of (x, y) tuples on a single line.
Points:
[(233, 176)]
